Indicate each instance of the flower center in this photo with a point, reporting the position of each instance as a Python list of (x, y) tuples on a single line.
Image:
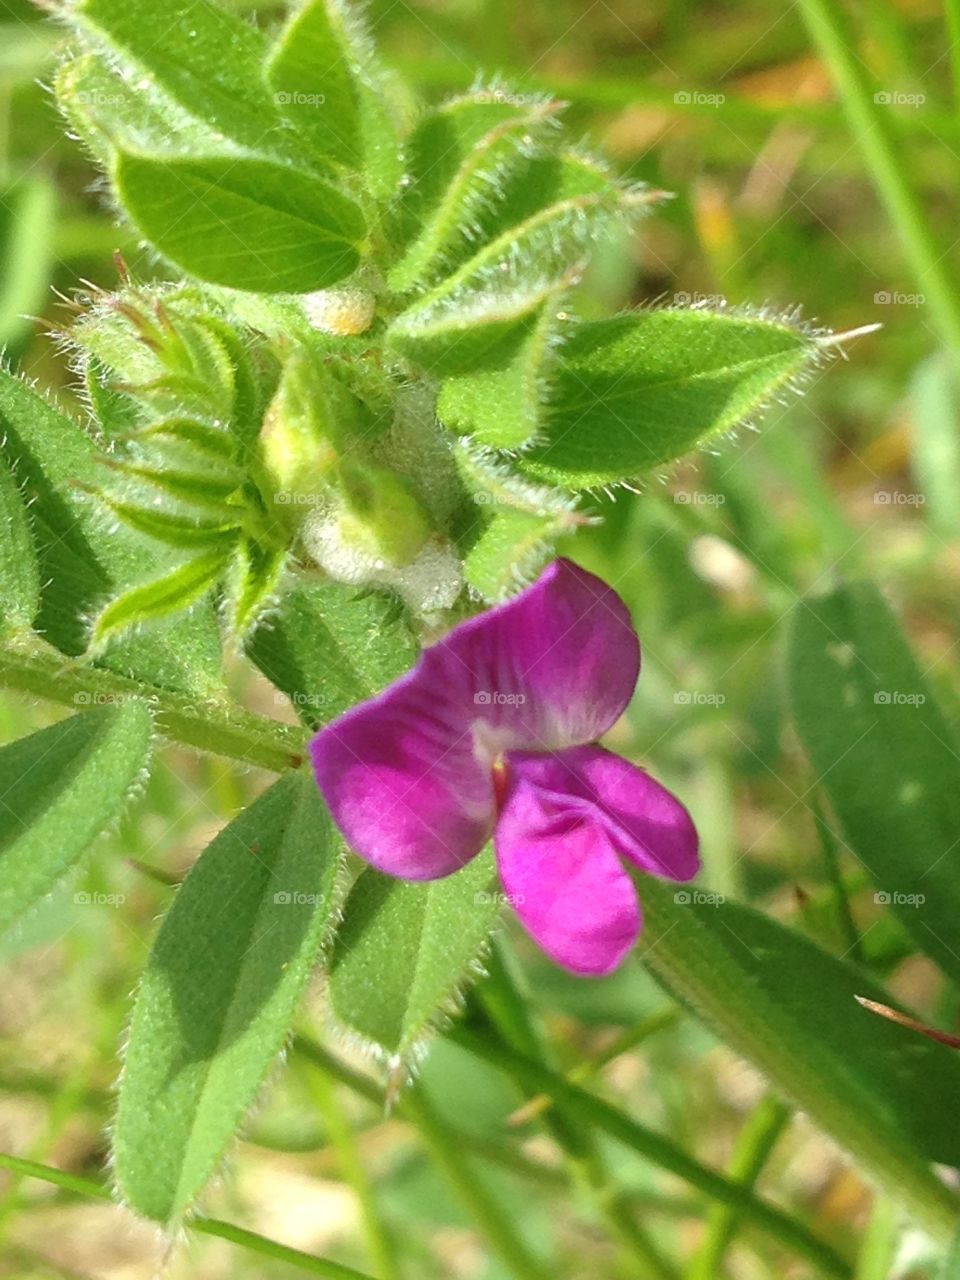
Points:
[(501, 777)]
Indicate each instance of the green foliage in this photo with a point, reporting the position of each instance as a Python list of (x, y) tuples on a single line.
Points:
[(28, 210), (61, 787), (19, 574), (630, 395), (403, 953), (885, 756), (789, 1008), (218, 994)]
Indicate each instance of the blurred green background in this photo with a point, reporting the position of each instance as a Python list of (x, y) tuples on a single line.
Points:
[(727, 106)]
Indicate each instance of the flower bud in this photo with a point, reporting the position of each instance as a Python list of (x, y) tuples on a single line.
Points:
[(379, 514)]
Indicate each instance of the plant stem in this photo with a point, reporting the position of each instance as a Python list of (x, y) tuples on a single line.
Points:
[(596, 1114), (343, 1141), (215, 726), (883, 153), (757, 1139), (879, 1247), (487, 1214), (203, 1226), (831, 858)]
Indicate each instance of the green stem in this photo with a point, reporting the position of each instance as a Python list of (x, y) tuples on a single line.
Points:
[(754, 1145), (203, 1226), (831, 858), (594, 1113), (489, 1218), (344, 1143), (215, 726), (879, 1247), (883, 154)]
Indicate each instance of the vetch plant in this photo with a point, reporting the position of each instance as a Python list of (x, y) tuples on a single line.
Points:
[(351, 439)]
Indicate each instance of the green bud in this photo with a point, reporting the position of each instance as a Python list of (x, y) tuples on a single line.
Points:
[(379, 514), (302, 432)]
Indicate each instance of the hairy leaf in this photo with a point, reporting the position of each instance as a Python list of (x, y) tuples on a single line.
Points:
[(19, 572), (173, 592), (82, 561), (331, 647), (404, 950), (220, 989), (59, 788), (27, 215), (632, 394), (244, 222), (884, 755), (880, 1091)]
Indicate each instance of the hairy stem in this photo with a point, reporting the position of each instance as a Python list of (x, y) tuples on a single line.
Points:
[(215, 726)]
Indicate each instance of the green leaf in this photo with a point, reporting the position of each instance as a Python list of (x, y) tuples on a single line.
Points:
[(404, 952), (219, 992), (206, 59), (535, 243), (19, 572), (325, 80), (889, 1097), (81, 559), (330, 648), (60, 788), (884, 755), (459, 156), (175, 591), (28, 211), (632, 394), (502, 401), (512, 549), (252, 583), (243, 222), (935, 441), (173, 528)]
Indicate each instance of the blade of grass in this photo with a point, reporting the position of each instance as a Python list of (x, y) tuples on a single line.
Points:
[(883, 154), (249, 1240)]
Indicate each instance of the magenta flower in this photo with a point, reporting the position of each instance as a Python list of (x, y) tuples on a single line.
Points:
[(493, 734)]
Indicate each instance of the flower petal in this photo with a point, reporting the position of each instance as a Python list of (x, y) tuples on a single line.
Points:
[(552, 668), (407, 775), (563, 877), (402, 782), (645, 822)]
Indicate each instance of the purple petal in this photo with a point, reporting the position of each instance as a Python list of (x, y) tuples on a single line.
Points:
[(645, 822), (407, 776), (402, 782), (563, 877), (552, 668)]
